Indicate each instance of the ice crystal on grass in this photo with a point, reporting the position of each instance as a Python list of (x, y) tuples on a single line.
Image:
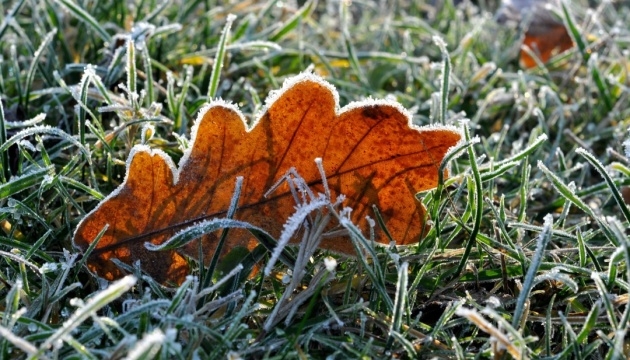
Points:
[(313, 229), (330, 263), (293, 224), (572, 292), (49, 267), (148, 347)]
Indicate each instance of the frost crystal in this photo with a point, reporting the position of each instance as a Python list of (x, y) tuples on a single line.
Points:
[(48, 267), (286, 279), (330, 263), (292, 225), (626, 145)]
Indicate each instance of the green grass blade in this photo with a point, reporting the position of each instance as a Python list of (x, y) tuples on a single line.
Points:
[(477, 205), (609, 181), (219, 248), (588, 59), (148, 70), (132, 74), (523, 154), (30, 75), (5, 172), (294, 21), (438, 192), (566, 191), (10, 16), (88, 251), (113, 292), (21, 183), (605, 298), (589, 325), (528, 283), (399, 303), (446, 76), (19, 342), (374, 270), (85, 17), (44, 130), (352, 54), (215, 76)]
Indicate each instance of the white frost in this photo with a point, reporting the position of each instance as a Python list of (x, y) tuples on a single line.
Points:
[(330, 263), (292, 225)]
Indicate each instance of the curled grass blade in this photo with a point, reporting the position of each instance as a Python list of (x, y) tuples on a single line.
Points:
[(21, 183), (437, 193), (30, 75), (569, 194), (523, 154), (191, 233), (44, 130), (609, 181), (148, 347)]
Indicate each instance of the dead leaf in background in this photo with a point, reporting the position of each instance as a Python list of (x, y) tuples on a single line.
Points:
[(370, 151), (545, 35), (545, 43)]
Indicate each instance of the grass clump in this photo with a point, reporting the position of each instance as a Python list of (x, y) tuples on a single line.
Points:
[(528, 255)]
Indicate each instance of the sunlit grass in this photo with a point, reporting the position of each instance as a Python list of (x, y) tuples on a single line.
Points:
[(528, 255)]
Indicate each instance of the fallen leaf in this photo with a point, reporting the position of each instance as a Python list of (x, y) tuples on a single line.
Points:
[(545, 42), (546, 34), (371, 153)]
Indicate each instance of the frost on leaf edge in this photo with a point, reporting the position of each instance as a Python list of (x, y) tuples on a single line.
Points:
[(272, 97)]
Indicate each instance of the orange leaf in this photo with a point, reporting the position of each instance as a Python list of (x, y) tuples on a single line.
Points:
[(545, 41), (371, 153)]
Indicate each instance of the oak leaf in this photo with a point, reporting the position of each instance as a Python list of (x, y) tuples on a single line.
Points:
[(545, 43), (371, 152)]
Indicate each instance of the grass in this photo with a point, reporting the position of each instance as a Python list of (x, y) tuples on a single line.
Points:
[(528, 256)]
